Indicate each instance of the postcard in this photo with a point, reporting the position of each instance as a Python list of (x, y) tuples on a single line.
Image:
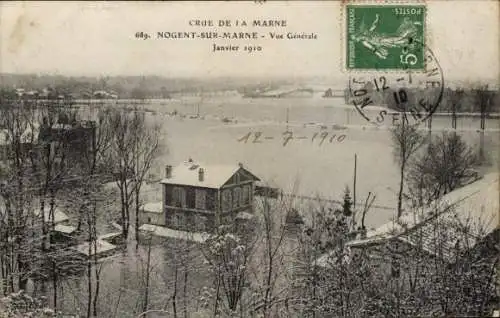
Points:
[(249, 158)]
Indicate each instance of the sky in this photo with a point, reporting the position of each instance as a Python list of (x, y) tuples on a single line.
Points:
[(93, 39)]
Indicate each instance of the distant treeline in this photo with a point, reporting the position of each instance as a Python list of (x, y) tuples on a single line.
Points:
[(130, 87), (461, 100)]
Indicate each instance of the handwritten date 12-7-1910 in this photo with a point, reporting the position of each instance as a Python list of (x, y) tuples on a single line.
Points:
[(319, 138)]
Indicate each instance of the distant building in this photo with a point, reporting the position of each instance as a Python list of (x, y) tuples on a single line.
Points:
[(26, 141), (100, 94), (199, 197), (76, 136)]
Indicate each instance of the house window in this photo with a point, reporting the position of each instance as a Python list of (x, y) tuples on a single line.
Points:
[(178, 220), (200, 223), (226, 200), (179, 197), (245, 197), (200, 199), (236, 197)]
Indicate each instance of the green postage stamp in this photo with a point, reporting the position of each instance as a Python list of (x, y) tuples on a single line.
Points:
[(385, 37)]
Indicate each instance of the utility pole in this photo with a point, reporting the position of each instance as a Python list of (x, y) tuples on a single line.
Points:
[(354, 181), (287, 110)]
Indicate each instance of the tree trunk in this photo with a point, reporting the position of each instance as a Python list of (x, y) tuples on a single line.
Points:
[(126, 225), (122, 201), (89, 272), (54, 282), (23, 267), (148, 270), (185, 291), (269, 274), (217, 294), (137, 191), (97, 288), (97, 270), (89, 277), (174, 296), (401, 187)]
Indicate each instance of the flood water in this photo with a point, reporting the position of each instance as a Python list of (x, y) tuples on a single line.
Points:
[(315, 157)]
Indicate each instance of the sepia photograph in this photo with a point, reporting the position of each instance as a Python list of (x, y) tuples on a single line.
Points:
[(260, 159)]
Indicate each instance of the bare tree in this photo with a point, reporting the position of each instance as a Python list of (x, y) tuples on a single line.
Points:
[(16, 191), (326, 280), (35, 158), (456, 98), (269, 268), (431, 264), (229, 257), (442, 267), (89, 197), (123, 162), (406, 141), (147, 275), (447, 164), (146, 149), (484, 98), (51, 165), (135, 145)]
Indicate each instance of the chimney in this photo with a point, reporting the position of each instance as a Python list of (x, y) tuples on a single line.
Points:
[(201, 174), (168, 171), (240, 164)]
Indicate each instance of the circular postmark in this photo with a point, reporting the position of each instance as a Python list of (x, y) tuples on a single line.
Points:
[(408, 95)]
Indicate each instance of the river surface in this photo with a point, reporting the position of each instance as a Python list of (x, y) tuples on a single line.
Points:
[(314, 158)]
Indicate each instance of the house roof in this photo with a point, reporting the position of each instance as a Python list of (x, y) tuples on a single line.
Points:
[(101, 247), (472, 209), (59, 216), (152, 207), (244, 216), (198, 237), (66, 229), (215, 176), (110, 236)]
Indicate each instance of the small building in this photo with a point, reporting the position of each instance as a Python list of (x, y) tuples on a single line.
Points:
[(152, 213), (57, 222), (198, 197), (63, 235)]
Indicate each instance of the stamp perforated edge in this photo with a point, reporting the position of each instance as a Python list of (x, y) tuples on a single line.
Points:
[(343, 34)]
